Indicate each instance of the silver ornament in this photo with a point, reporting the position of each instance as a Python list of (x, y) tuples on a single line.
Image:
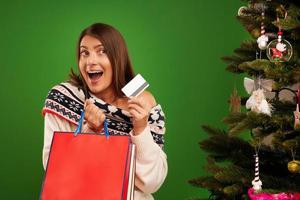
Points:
[(262, 42), (262, 45)]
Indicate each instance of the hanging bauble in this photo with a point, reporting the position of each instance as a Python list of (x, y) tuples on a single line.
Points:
[(262, 42), (294, 166), (242, 10), (258, 103), (279, 51)]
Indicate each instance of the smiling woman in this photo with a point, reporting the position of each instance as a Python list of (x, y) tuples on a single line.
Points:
[(105, 68), (101, 42), (89, 57), (95, 68)]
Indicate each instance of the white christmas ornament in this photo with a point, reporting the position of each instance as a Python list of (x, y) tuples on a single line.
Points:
[(279, 51), (263, 39), (250, 84), (262, 42), (258, 103)]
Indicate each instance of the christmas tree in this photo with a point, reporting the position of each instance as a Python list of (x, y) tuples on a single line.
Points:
[(265, 165)]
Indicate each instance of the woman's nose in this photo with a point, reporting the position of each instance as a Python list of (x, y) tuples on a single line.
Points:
[(91, 60)]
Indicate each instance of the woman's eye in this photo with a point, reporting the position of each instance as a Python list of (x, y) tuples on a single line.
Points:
[(84, 53), (101, 51)]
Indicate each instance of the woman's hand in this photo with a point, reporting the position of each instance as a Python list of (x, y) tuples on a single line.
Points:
[(139, 109), (93, 115)]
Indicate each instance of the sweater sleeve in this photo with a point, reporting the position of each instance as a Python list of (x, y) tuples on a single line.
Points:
[(151, 160)]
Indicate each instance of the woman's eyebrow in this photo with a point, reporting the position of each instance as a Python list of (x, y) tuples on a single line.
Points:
[(99, 45)]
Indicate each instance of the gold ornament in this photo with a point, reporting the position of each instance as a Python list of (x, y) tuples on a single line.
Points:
[(235, 102), (297, 118), (294, 166)]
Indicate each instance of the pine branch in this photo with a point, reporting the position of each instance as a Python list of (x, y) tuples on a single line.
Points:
[(283, 107), (211, 165), (255, 67), (292, 20), (208, 182), (233, 190), (251, 120), (241, 56), (225, 148), (249, 22), (212, 131), (233, 118), (295, 34), (234, 174), (281, 183), (232, 59)]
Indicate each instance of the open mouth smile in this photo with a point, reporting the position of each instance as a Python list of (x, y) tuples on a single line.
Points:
[(95, 75)]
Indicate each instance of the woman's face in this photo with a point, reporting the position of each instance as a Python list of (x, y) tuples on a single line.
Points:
[(95, 66)]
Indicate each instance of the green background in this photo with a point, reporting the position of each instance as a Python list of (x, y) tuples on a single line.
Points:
[(175, 45)]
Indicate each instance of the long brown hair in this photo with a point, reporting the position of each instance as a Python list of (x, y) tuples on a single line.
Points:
[(116, 51)]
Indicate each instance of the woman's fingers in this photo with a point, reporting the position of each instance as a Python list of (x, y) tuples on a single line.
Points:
[(139, 102), (135, 100), (137, 111), (140, 108), (136, 107), (136, 115), (88, 102), (93, 115), (100, 115)]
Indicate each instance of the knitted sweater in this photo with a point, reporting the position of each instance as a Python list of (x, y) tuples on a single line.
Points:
[(62, 113)]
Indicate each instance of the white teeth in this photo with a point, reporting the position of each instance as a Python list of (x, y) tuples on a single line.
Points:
[(94, 72)]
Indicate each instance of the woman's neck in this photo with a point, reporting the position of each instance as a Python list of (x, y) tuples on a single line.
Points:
[(109, 96)]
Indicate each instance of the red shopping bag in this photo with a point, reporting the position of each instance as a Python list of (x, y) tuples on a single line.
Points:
[(89, 167)]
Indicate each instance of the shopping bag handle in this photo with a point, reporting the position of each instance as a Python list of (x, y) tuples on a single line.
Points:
[(78, 130), (79, 127)]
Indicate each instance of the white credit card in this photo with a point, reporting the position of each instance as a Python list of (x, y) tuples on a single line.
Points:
[(135, 87)]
